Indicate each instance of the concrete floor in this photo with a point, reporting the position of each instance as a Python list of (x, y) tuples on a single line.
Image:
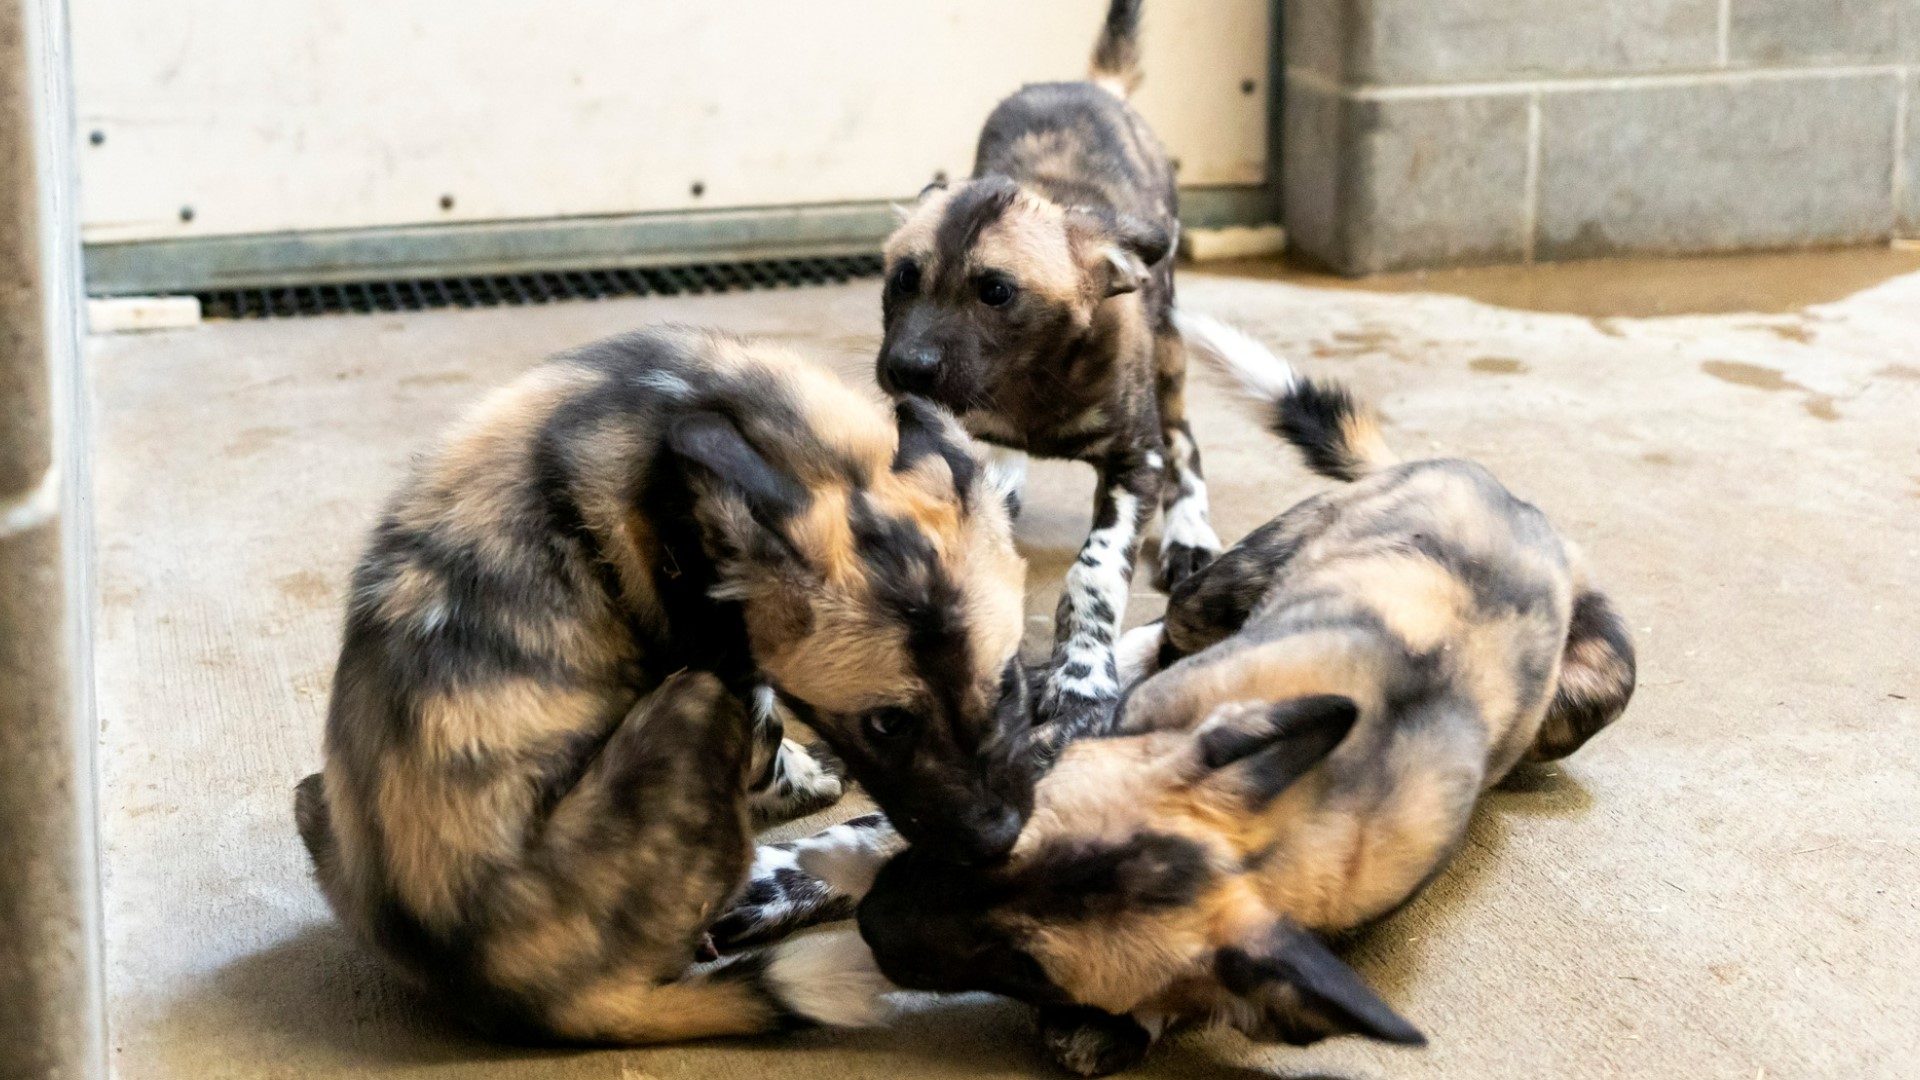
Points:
[(1723, 885)]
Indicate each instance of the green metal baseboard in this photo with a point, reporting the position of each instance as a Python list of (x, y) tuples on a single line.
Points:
[(201, 265)]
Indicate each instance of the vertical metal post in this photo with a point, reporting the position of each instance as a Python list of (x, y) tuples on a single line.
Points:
[(1277, 111), (50, 990)]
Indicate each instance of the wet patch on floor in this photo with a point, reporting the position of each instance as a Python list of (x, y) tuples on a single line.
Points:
[(1820, 406), (1749, 375), (1497, 365), (1797, 332), (1350, 344), (1769, 283)]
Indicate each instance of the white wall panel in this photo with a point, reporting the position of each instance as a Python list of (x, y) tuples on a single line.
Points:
[(271, 115)]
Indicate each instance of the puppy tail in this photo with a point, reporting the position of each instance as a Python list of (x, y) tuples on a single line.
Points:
[(1116, 55), (1597, 674), (827, 980), (1339, 437)]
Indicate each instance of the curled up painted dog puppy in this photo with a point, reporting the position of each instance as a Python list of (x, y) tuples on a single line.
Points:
[(1336, 692), (556, 698), (1035, 300)]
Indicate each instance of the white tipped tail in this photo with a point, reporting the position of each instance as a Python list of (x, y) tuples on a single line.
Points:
[(1237, 353), (1339, 436)]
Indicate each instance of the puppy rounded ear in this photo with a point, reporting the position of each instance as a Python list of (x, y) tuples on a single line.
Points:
[(741, 499), (1145, 240), (1125, 272), (717, 455), (927, 430), (1299, 992), (1258, 749), (902, 211), (1124, 247)]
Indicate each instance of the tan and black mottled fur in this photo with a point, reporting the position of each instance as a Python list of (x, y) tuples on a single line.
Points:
[(1340, 687), (555, 696), (1036, 300)]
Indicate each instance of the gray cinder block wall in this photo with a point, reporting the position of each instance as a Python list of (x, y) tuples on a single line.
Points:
[(49, 899), (1441, 132)]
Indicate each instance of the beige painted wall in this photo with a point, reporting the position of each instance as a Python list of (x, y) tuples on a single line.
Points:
[(269, 115)]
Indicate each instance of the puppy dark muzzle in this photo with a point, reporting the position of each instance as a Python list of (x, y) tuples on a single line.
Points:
[(979, 835), (993, 835), (930, 924), (911, 370)]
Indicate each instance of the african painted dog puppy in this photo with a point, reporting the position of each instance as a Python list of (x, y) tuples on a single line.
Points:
[(1337, 691), (555, 701), (1036, 300)]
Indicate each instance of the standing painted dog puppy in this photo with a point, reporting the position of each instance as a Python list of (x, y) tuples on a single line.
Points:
[(1035, 300), (556, 695)]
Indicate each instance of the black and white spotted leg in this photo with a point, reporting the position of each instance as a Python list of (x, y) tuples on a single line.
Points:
[(1083, 684), (789, 780), (1187, 539), (782, 895)]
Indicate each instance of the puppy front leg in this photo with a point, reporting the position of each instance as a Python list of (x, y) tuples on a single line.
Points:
[(1187, 539), (801, 883), (1083, 685)]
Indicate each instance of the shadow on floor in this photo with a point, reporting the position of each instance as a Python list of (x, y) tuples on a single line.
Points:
[(315, 997), (315, 1003)]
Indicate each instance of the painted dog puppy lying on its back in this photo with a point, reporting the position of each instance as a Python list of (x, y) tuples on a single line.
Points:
[(1338, 690), (554, 703), (1035, 300)]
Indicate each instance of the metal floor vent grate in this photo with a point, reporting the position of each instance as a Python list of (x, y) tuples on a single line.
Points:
[(471, 292)]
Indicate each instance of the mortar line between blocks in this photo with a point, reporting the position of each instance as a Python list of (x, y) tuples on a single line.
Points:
[(34, 508), (1530, 198), (1902, 106), (1725, 44), (1665, 80)]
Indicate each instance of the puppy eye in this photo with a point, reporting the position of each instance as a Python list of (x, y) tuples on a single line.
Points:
[(889, 723), (995, 291), (906, 279)]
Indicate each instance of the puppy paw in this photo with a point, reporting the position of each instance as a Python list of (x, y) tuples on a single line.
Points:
[(1178, 562), (1089, 1042), (1070, 718), (806, 779)]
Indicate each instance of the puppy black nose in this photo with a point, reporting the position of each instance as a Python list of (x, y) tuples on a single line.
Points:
[(913, 370), (990, 838)]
